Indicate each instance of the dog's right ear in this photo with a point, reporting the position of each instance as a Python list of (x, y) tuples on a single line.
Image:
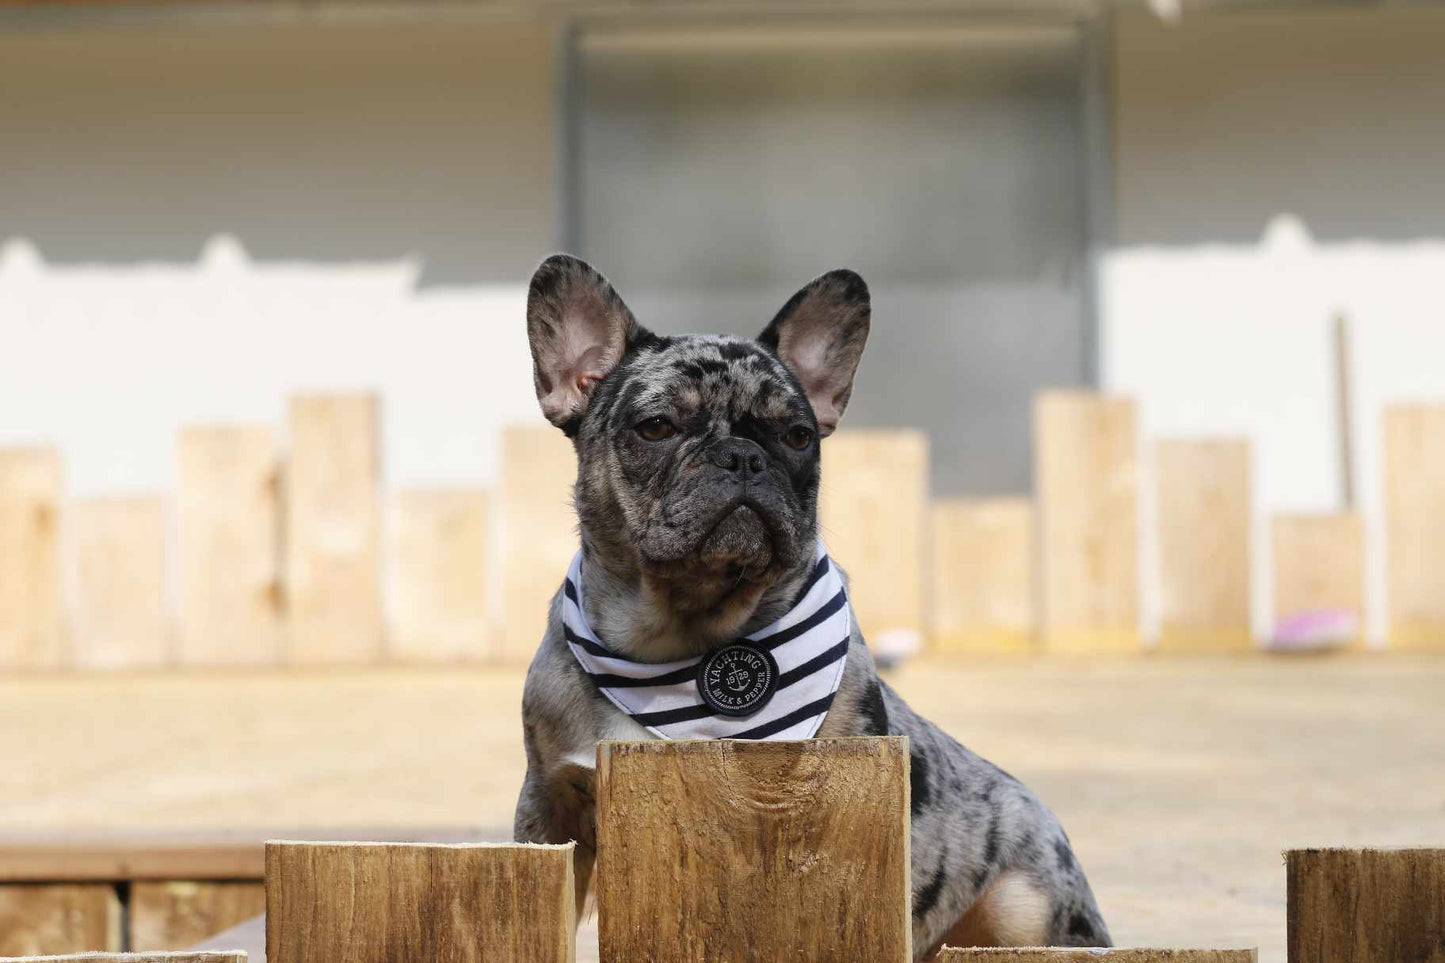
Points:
[(579, 330)]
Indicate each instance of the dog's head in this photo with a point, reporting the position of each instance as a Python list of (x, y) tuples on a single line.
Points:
[(698, 455)]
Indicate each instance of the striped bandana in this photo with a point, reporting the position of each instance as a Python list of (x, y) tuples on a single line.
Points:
[(776, 683)]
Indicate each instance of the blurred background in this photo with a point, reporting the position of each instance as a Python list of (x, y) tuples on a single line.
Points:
[(1154, 382)]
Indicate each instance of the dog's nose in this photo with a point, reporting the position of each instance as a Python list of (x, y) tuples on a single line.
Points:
[(739, 456)]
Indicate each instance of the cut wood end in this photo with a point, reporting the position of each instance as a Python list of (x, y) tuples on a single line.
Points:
[(360, 843), (1312, 850), (851, 745)]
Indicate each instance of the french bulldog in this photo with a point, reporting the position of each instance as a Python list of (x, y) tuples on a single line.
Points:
[(697, 497)]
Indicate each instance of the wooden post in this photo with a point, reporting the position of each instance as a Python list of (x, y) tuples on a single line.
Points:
[(58, 918), (169, 915), (954, 954), (983, 591), (1365, 905), (539, 531), (333, 561), (228, 526), (196, 957), (132, 957), (1415, 519), (118, 610), (392, 901), (31, 634), (1086, 490), (1318, 567), (1204, 525), (873, 515), (439, 569), (731, 850)]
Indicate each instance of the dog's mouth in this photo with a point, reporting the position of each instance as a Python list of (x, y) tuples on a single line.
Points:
[(740, 544)]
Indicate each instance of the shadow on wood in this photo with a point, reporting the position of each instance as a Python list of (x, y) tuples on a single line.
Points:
[(165, 916), (59, 918)]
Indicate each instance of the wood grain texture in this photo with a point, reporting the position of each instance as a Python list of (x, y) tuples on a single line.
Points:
[(31, 628), (439, 575), (168, 854), (1203, 497), (45, 918), (954, 954), (1365, 906), (1319, 564), (383, 902), (144, 856), (333, 558), (173, 915), (725, 850), (132, 957), (1415, 525), (539, 531), (228, 527), (873, 515), (118, 601), (983, 575), (1087, 509)]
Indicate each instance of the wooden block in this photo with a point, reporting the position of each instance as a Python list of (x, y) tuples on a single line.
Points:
[(723, 849), (393, 901), (1365, 906), (177, 914), (1204, 525), (954, 954), (31, 635), (333, 561), (439, 569), (1086, 490), (1415, 519), (1318, 565), (37, 919), (118, 610), (539, 531), (132, 957), (983, 593), (873, 515), (228, 525)]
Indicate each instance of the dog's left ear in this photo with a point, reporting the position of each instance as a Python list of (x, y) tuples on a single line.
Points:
[(819, 334), (579, 329)]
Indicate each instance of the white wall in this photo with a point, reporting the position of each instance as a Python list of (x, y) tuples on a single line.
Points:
[(110, 361), (1273, 170), (195, 223)]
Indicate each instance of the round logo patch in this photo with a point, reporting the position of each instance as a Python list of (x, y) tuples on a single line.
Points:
[(737, 679)]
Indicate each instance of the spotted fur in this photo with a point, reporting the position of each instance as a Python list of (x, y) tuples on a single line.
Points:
[(704, 533)]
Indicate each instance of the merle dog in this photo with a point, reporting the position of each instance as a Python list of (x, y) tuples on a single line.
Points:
[(696, 491)]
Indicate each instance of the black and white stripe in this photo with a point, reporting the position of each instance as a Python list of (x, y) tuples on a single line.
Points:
[(810, 644)]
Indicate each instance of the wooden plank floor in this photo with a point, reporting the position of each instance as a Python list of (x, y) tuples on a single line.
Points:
[(1180, 781)]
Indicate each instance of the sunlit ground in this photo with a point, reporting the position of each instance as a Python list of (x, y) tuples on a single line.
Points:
[(1179, 781)]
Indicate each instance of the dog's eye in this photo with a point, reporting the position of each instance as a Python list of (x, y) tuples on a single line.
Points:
[(798, 439), (655, 429)]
